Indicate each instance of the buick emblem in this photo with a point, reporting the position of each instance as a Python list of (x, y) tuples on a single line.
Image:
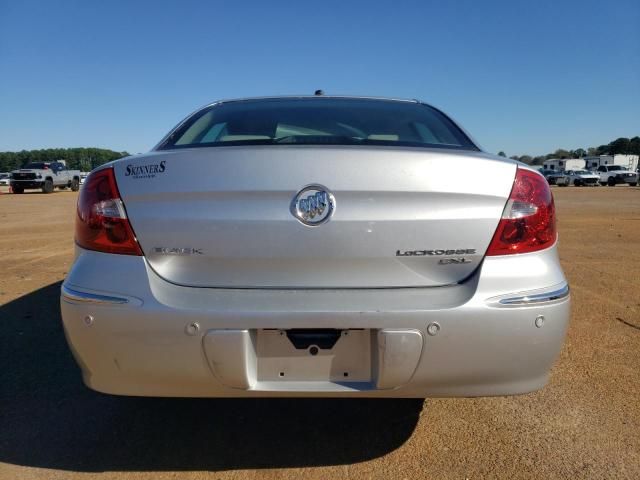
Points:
[(313, 205)]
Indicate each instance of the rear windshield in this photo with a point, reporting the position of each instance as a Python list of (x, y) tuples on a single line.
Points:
[(319, 121), (36, 166)]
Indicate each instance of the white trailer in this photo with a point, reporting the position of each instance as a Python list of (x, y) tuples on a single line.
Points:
[(563, 164)]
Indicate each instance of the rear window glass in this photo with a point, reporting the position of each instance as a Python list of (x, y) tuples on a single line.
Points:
[(36, 165), (319, 121)]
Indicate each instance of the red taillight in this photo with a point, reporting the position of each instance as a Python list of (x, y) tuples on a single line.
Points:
[(102, 222), (528, 222)]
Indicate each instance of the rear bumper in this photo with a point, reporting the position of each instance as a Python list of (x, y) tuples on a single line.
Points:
[(133, 333)]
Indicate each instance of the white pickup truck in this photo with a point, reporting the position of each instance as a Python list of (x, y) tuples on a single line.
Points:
[(45, 176), (613, 174)]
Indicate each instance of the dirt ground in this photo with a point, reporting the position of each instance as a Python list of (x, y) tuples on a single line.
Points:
[(584, 424)]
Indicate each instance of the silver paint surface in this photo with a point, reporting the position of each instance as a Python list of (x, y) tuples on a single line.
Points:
[(227, 250), (233, 204)]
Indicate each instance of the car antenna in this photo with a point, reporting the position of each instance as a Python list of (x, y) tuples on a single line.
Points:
[(319, 93)]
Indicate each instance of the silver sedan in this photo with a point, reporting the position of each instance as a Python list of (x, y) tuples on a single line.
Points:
[(581, 178), (315, 246)]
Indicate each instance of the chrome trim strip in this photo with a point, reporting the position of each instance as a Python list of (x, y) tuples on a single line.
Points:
[(91, 298), (534, 299)]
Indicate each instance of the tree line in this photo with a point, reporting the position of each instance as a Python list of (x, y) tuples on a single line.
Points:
[(84, 159), (620, 146)]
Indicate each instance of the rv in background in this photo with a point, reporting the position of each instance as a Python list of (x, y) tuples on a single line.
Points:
[(562, 164)]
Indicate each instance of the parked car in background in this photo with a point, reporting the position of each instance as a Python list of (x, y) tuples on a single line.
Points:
[(545, 172), (582, 177), (315, 246), (5, 178), (558, 178), (83, 177), (45, 176), (553, 177), (613, 175)]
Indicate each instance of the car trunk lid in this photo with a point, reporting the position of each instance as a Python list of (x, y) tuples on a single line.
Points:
[(404, 217)]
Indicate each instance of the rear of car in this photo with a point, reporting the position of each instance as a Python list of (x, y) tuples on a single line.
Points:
[(561, 179), (315, 246), (550, 175)]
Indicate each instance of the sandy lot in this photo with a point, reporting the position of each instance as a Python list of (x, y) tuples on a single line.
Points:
[(584, 424)]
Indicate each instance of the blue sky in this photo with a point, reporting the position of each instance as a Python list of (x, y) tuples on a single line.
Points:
[(521, 76)]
